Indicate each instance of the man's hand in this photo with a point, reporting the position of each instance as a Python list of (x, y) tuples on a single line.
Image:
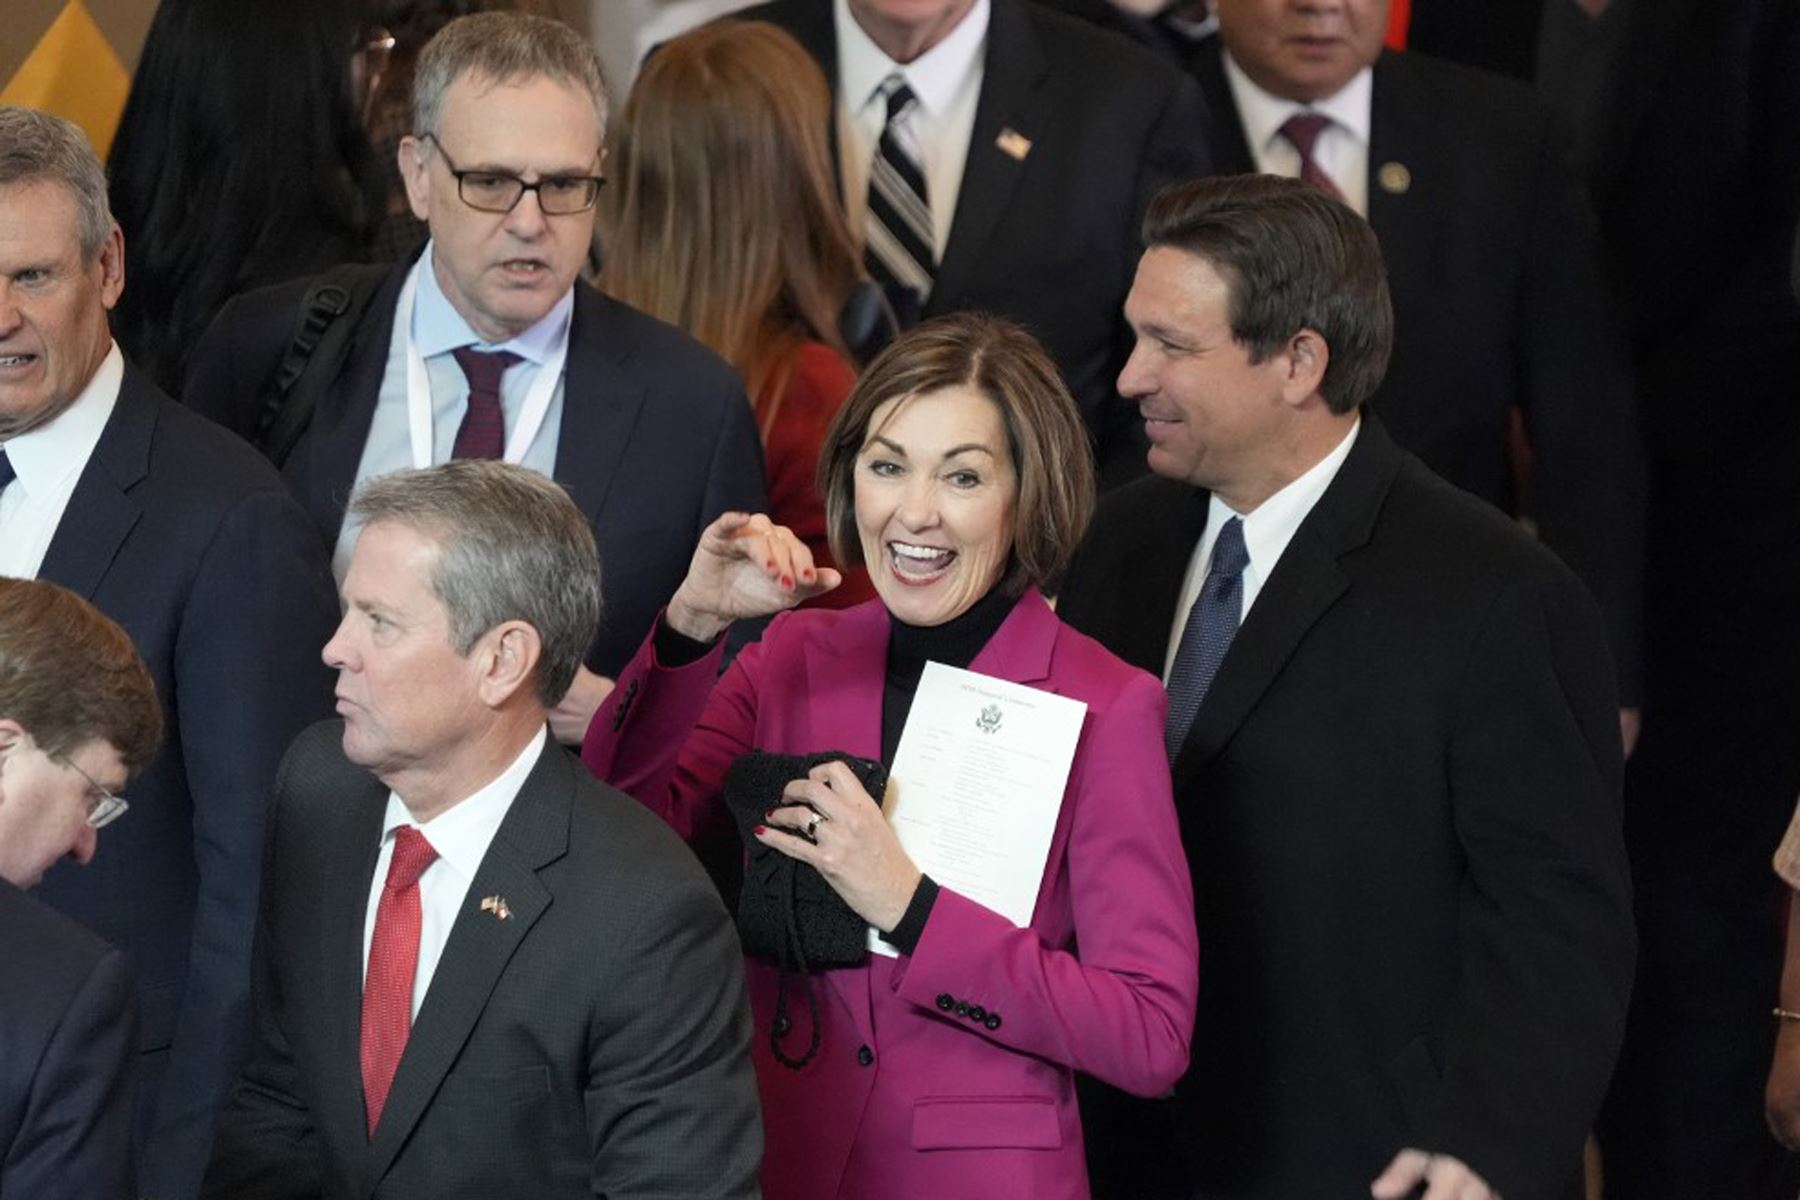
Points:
[(1781, 1098), (570, 719), (1448, 1178)]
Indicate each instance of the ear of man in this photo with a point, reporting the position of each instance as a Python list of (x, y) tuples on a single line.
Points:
[(509, 655), (1305, 356)]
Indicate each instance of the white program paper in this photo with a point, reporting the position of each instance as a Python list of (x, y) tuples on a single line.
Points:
[(977, 783)]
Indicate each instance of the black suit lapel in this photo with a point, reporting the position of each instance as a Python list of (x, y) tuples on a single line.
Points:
[(601, 401), (1011, 100), (1408, 170), (1230, 149), (534, 833), (1174, 517), (322, 469), (1304, 585), (101, 511)]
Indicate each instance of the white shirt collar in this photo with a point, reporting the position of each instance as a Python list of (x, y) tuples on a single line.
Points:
[(1269, 529), (1263, 113), (462, 833), (935, 76), (45, 457), (437, 327)]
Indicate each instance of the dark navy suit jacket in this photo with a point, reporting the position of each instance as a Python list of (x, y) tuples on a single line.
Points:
[(68, 1057), (656, 439), (183, 535)]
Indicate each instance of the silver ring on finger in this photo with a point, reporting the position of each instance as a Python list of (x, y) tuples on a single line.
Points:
[(812, 825)]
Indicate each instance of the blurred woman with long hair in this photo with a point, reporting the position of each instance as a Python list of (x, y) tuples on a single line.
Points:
[(240, 161), (722, 218)]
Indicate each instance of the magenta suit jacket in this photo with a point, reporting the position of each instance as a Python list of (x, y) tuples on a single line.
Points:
[(905, 1098)]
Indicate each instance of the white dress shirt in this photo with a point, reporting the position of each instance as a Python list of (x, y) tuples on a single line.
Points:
[(49, 461), (1342, 150), (461, 836), (947, 81), (1267, 531), (438, 329)]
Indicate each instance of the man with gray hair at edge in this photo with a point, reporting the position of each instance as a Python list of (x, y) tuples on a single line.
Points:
[(182, 534), (479, 971)]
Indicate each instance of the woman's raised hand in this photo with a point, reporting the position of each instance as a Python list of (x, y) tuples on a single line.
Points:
[(745, 566)]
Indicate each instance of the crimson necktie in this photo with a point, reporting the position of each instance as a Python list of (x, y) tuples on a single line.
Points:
[(482, 433), (393, 961), (1303, 130)]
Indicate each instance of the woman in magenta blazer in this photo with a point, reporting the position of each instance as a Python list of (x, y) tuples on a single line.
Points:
[(959, 473)]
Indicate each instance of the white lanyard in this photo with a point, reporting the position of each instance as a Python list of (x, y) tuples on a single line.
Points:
[(418, 386)]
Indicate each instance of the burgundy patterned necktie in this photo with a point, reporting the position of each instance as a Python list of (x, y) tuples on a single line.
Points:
[(482, 433), (393, 961), (1303, 130)]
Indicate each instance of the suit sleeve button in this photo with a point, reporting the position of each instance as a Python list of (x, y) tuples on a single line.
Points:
[(864, 1056), (946, 1001), (993, 1021), (962, 1009), (978, 1013)]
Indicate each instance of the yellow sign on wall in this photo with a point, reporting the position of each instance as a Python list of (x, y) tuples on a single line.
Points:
[(74, 72)]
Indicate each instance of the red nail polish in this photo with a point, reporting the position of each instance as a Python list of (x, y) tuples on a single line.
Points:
[(760, 830), (787, 582)]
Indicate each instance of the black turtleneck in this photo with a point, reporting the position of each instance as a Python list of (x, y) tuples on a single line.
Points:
[(955, 643)]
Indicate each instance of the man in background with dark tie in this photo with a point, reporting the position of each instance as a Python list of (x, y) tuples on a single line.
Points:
[(1509, 374), (489, 346), (479, 971), (997, 156), (1393, 731)]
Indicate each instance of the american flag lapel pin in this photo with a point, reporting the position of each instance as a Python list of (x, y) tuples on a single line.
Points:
[(496, 904), (1013, 143)]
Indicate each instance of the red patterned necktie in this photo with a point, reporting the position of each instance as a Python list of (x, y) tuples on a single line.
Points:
[(482, 433), (393, 961), (1303, 130)]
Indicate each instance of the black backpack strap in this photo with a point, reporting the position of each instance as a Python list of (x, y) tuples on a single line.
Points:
[(329, 314)]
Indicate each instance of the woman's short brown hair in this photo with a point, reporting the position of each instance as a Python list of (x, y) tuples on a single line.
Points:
[(1051, 455), (70, 676)]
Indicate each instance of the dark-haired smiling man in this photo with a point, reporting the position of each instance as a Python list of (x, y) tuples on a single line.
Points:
[(1393, 731)]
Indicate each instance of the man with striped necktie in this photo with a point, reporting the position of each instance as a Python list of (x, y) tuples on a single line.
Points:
[(996, 155)]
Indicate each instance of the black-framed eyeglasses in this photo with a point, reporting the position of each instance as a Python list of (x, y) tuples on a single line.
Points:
[(104, 805), (499, 192)]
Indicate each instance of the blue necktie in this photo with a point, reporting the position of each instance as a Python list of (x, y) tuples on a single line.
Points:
[(1211, 624)]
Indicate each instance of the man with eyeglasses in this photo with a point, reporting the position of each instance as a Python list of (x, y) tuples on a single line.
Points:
[(78, 716), (488, 345)]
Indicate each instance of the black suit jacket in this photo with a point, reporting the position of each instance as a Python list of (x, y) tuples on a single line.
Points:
[(68, 1057), (1499, 302), (1051, 240), (656, 439), (594, 1042), (1400, 802), (183, 535)]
